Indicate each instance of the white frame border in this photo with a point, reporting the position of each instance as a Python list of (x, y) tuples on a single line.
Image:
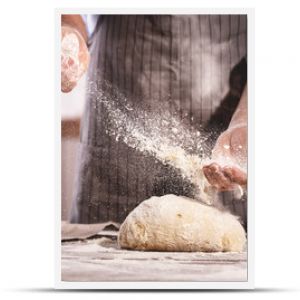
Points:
[(129, 285)]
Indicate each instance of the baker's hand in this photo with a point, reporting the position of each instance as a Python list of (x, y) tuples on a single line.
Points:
[(227, 167), (74, 58)]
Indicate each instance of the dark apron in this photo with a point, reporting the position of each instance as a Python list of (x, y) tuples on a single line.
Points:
[(191, 66)]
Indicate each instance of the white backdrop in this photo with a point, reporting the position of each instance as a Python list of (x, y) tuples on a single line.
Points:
[(27, 161)]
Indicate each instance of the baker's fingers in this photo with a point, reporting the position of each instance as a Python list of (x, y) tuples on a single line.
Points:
[(208, 172), (216, 178), (235, 175)]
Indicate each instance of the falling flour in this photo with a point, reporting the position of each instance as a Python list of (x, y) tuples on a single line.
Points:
[(159, 134)]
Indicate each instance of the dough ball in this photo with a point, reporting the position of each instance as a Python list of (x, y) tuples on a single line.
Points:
[(173, 223)]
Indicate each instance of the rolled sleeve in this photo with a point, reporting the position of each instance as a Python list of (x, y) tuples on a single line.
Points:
[(90, 23)]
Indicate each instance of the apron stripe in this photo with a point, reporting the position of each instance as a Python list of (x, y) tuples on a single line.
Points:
[(180, 65), (237, 40), (160, 59), (191, 72), (118, 39), (111, 193), (211, 54), (106, 207), (139, 96), (151, 59), (221, 61), (170, 64), (124, 79), (201, 68), (229, 41), (112, 199)]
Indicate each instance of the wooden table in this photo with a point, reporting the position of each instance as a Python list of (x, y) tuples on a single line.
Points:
[(100, 259)]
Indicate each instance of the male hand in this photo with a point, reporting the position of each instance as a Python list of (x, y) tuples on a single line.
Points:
[(74, 58), (229, 159)]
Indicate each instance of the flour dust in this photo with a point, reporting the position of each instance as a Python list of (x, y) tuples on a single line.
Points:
[(160, 134)]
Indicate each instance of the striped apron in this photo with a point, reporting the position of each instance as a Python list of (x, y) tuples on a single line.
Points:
[(192, 66)]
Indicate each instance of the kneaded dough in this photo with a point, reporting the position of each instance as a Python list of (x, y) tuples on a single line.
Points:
[(173, 223)]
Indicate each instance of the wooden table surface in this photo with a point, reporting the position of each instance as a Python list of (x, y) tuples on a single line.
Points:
[(101, 260)]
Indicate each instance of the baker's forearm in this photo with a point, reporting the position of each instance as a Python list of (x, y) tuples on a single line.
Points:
[(240, 115), (76, 22)]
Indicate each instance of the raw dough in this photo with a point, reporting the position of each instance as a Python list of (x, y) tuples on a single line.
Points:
[(173, 223)]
